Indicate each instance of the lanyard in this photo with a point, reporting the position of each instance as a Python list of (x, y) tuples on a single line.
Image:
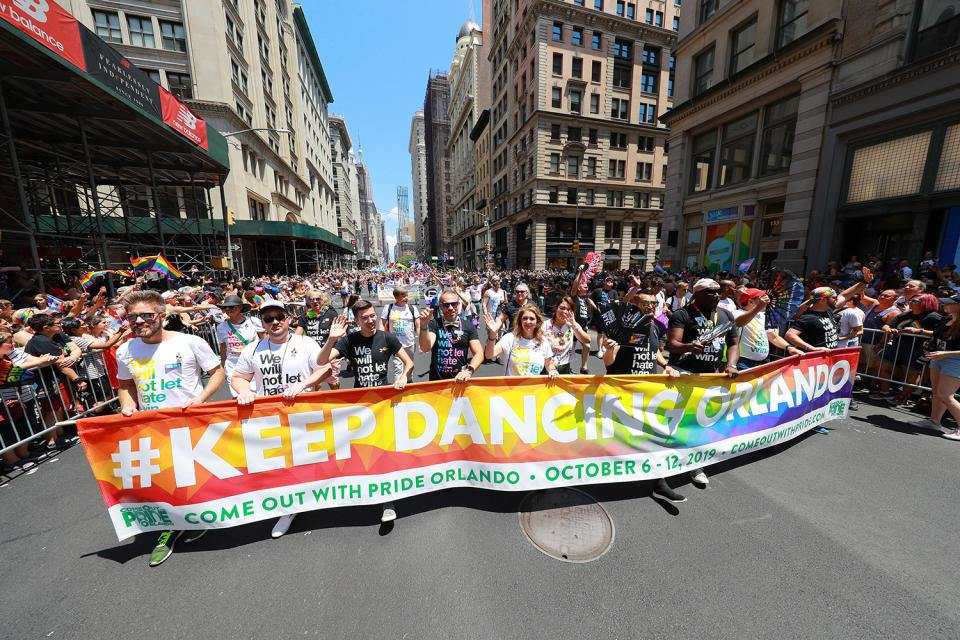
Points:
[(234, 331), (716, 315)]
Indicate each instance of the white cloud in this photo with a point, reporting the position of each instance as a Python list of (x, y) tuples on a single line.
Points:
[(391, 240)]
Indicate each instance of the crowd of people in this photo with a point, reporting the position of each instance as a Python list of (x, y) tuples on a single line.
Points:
[(65, 351)]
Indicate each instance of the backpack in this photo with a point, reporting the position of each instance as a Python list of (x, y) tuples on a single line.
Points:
[(413, 310)]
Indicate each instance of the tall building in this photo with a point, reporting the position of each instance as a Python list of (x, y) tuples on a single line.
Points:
[(578, 155), (469, 99), (346, 198), (371, 222), (406, 233), (250, 70), (418, 172), (436, 124)]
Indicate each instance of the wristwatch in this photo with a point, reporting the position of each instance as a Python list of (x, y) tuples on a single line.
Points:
[(469, 368)]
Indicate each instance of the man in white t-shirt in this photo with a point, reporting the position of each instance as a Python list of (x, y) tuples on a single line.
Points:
[(402, 320), (727, 291), (161, 369), (493, 297), (234, 333), (755, 338), (851, 323), (283, 363)]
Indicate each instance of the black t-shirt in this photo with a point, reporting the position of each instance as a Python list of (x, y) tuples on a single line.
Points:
[(583, 311), (317, 327), (451, 349), (511, 309), (601, 297), (696, 327), (41, 345), (369, 356), (818, 329), (940, 342), (638, 339)]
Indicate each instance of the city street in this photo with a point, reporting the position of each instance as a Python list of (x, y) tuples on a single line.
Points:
[(846, 535)]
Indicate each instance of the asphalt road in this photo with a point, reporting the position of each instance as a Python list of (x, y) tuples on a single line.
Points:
[(846, 535)]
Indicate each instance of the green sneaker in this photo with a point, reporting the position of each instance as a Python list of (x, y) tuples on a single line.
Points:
[(193, 535), (164, 547)]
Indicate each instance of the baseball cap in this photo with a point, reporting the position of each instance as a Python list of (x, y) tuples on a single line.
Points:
[(822, 292), (706, 283), (166, 295), (272, 304), (747, 295)]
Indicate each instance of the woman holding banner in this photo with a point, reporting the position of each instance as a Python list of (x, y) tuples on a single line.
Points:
[(528, 352), (562, 331)]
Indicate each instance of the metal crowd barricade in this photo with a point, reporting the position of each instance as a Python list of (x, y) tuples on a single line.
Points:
[(46, 400), (207, 331), (903, 351)]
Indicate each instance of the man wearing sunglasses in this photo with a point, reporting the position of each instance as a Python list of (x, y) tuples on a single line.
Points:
[(314, 323), (454, 345), (235, 332), (402, 320), (283, 363), (161, 369), (503, 319)]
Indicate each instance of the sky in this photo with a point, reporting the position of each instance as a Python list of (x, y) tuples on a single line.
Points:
[(377, 56)]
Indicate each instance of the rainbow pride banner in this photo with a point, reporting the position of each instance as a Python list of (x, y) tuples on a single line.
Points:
[(218, 465)]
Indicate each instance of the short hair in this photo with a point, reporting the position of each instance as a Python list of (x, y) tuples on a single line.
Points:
[(451, 292), (144, 296), (928, 302), (70, 323), (920, 284), (399, 291), (5, 335), (323, 295), (360, 306), (39, 321)]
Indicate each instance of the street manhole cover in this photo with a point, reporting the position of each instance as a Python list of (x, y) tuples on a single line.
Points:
[(566, 524)]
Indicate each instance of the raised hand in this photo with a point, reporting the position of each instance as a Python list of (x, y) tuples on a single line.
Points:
[(425, 316), (338, 328)]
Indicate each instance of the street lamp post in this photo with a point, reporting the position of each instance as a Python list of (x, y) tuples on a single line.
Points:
[(576, 219)]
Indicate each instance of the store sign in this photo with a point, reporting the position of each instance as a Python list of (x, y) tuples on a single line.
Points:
[(109, 67), (49, 24), (721, 214), (179, 117)]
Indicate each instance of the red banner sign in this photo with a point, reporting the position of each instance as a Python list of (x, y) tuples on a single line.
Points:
[(49, 24), (179, 117)]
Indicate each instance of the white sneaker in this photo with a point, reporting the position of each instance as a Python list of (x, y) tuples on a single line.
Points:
[(699, 477), (281, 527), (389, 513), (952, 435)]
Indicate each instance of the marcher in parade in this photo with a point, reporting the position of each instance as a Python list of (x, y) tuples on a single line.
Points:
[(453, 344), (943, 353), (314, 322), (234, 333), (527, 350)]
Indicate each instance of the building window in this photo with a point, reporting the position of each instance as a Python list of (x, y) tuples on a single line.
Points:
[(258, 210), (557, 64), (651, 55), (591, 167), (598, 5), (141, 31), (658, 19), (736, 152), (577, 36), (555, 132), (573, 134), (616, 168), (573, 166), (595, 70), (707, 8), (180, 85), (676, 23), (631, 11), (621, 8), (622, 75), (776, 146), (588, 197), (623, 49), (556, 98), (771, 227), (644, 171), (153, 74), (704, 149), (620, 108), (743, 45), (173, 36), (703, 71), (618, 140), (644, 143), (558, 31), (572, 195), (575, 101), (576, 67), (554, 163), (595, 42), (649, 16), (594, 103), (648, 113), (937, 28), (792, 21), (107, 25), (552, 195), (593, 136), (612, 228), (669, 87), (648, 83)]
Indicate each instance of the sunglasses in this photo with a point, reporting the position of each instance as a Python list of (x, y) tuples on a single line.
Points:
[(147, 316), (521, 291), (280, 317), (449, 305), (313, 299)]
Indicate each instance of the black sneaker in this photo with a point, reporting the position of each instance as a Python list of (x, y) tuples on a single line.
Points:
[(662, 491)]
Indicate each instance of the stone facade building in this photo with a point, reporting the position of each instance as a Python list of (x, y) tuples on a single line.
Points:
[(346, 199), (418, 173), (436, 122), (578, 155)]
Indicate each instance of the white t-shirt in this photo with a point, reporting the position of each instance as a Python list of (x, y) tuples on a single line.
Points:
[(728, 304), (850, 319), (401, 323), (754, 343), (237, 337), (661, 298), (168, 372), (677, 301), (475, 293), (278, 366), (494, 298), (561, 341), (525, 357)]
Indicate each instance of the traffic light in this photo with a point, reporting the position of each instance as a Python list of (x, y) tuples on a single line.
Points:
[(230, 220), (576, 247)]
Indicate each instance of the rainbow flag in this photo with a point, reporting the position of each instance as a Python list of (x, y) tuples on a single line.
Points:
[(666, 264), (155, 263), (125, 274), (88, 279)]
